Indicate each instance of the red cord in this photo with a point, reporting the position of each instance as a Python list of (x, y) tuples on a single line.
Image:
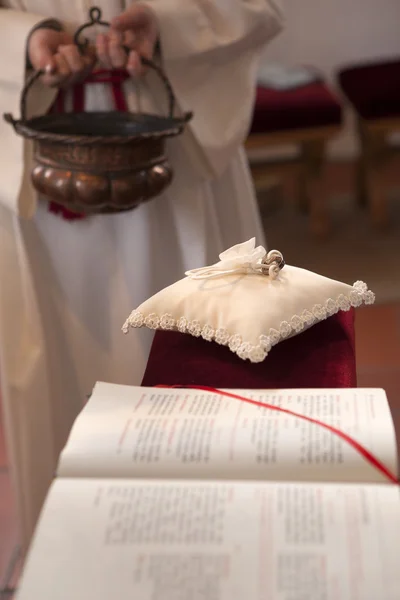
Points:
[(366, 454)]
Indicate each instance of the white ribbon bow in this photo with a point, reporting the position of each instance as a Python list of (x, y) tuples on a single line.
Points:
[(242, 258)]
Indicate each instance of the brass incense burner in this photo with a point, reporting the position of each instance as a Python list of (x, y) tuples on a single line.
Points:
[(100, 162)]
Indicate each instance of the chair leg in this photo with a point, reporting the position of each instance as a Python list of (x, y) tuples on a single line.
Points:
[(303, 200), (374, 158), (362, 167), (312, 189), (378, 205)]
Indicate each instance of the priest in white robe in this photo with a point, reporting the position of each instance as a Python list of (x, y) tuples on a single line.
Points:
[(67, 286)]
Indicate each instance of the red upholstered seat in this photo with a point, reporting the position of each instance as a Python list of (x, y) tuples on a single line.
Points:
[(373, 89), (312, 105), (322, 356)]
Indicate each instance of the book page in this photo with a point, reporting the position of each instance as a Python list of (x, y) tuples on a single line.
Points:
[(180, 540), (164, 433)]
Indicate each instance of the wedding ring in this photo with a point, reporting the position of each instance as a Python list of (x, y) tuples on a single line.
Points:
[(272, 261)]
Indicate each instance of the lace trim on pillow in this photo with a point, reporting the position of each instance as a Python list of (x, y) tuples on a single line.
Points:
[(255, 353)]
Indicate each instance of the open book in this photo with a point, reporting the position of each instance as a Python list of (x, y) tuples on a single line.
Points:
[(175, 494)]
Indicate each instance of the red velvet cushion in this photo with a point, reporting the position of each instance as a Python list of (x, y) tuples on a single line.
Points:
[(373, 89), (312, 105), (321, 357)]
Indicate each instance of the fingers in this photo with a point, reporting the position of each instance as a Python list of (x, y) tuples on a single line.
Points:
[(137, 16), (45, 59), (110, 50), (117, 54), (63, 70), (47, 62), (68, 66), (72, 58), (56, 75), (79, 65), (146, 48), (134, 65), (130, 39), (130, 19), (140, 28), (102, 50)]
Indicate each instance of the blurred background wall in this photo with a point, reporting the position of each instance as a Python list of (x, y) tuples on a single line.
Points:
[(330, 33)]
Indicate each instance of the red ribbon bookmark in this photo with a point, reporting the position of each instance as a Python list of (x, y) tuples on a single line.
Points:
[(364, 452)]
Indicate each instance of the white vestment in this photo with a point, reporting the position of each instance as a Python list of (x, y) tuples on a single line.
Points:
[(67, 287)]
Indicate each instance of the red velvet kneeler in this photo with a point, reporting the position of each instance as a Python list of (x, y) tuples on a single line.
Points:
[(310, 106), (373, 88), (321, 357)]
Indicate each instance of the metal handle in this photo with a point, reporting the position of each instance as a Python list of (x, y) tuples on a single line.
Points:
[(95, 19), (95, 16)]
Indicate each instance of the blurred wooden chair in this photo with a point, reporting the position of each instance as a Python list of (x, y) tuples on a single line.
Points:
[(374, 92), (307, 117)]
